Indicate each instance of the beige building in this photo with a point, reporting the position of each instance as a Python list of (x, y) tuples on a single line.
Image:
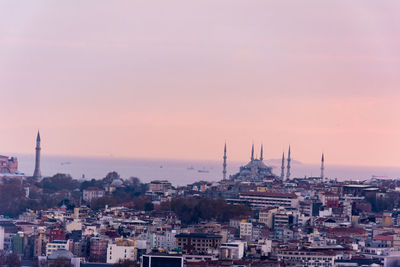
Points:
[(56, 245), (261, 200), (121, 250), (92, 193)]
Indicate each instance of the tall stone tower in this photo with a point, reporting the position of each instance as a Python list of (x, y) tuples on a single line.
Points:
[(322, 166), (262, 153), (224, 164), (37, 173), (283, 167), (288, 165)]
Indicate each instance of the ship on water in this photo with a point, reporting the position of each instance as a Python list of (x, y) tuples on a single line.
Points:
[(203, 171)]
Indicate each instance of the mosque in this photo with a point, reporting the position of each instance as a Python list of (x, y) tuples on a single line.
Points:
[(257, 171), (254, 171)]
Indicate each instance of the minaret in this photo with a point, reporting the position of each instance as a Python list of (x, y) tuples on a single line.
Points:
[(322, 167), (252, 153), (37, 173), (283, 167), (224, 164), (288, 166), (261, 153)]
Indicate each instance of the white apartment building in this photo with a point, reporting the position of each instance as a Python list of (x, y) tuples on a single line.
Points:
[(246, 229), (123, 251), (308, 258), (165, 241), (269, 199), (56, 245), (92, 193), (233, 250)]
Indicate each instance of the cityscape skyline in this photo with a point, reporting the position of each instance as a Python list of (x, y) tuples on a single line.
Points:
[(176, 168), (200, 133), (188, 159)]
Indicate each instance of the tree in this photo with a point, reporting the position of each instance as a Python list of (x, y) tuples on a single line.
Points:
[(100, 203), (192, 210), (58, 182), (148, 206), (134, 182), (91, 183), (110, 177), (12, 199)]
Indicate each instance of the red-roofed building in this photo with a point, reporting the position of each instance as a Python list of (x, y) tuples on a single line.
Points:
[(329, 199), (57, 234), (347, 232), (385, 239)]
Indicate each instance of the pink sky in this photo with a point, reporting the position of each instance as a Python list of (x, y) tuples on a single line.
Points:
[(174, 79)]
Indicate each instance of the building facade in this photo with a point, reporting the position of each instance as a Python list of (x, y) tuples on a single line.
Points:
[(125, 250), (8, 165), (259, 200), (92, 193), (197, 242)]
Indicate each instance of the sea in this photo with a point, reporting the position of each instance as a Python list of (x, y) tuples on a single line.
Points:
[(183, 172)]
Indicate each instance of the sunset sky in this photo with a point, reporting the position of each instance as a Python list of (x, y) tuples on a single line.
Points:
[(175, 79)]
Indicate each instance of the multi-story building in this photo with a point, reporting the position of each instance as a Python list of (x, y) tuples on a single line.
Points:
[(259, 200), (159, 186), (265, 217), (307, 258), (98, 249), (92, 193), (282, 218), (233, 250), (329, 199), (56, 245), (18, 243), (165, 241), (246, 230), (121, 250), (56, 234), (197, 242), (305, 207), (40, 244)]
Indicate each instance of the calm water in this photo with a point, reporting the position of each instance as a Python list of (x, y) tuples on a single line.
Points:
[(179, 172)]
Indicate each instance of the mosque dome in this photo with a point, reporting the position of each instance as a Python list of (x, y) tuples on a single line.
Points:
[(255, 169), (61, 254), (117, 182), (256, 163)]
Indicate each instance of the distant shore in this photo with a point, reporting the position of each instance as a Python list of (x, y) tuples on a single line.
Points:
[(182, 172)]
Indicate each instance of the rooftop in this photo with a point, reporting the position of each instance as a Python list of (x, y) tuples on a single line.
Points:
[(198, 235), (270, 194)]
